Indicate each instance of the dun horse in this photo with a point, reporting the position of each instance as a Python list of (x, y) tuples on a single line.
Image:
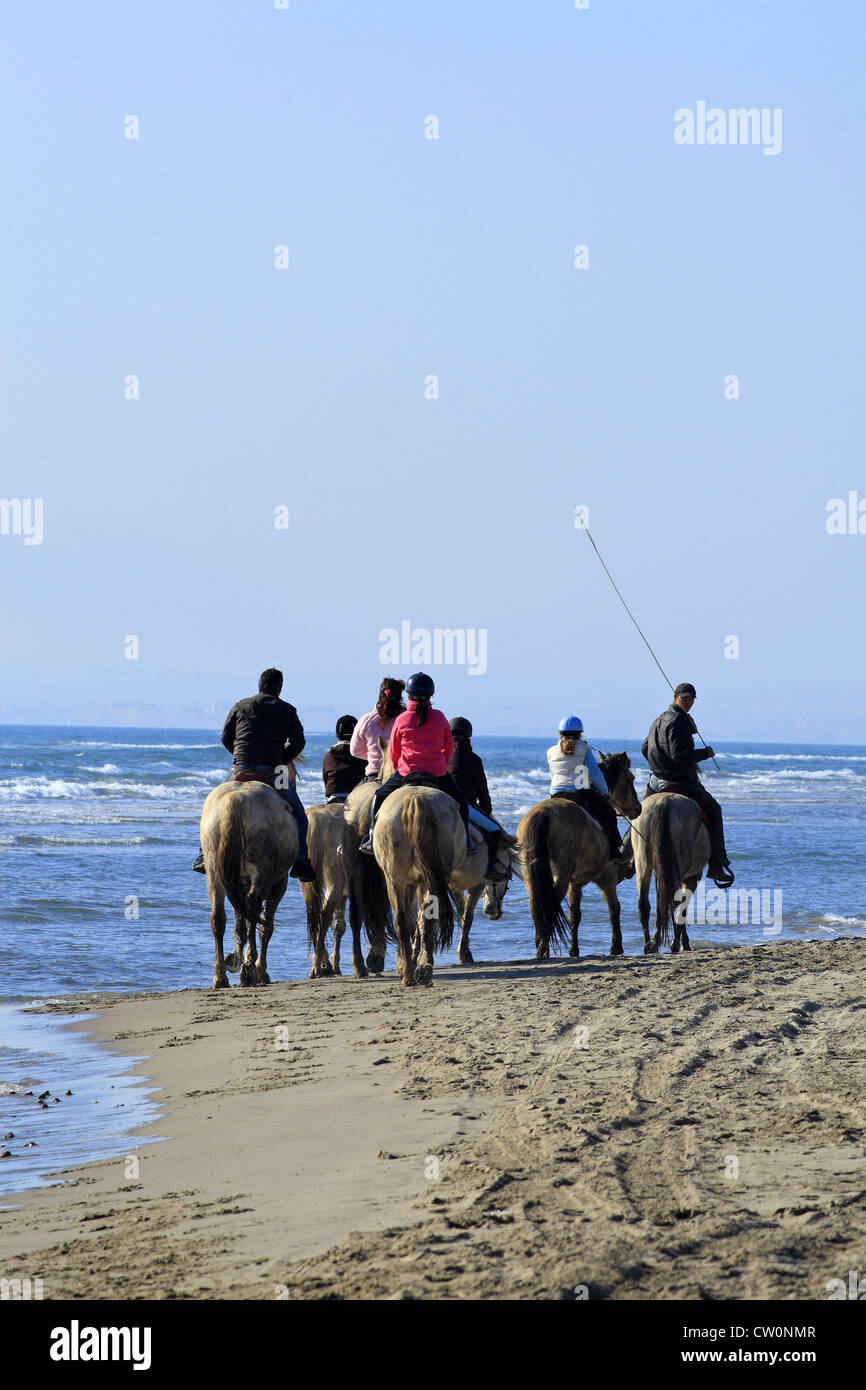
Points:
[(468, 883), (670, 840), (325, 841), (250, 841), (419, 843), (564, 849)]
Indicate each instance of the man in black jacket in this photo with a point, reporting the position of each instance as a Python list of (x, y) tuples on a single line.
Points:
[(669, 748), (263, 734)]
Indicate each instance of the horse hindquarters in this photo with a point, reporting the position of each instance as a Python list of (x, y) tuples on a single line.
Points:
[(545, 901)]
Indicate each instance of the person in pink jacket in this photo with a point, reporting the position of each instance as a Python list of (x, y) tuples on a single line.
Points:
[(375, 724), (420, 742)]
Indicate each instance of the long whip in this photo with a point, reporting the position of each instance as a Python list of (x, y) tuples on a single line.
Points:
[(643, 638)]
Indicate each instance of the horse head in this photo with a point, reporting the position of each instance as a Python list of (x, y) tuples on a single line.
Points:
[(616, 769), (507, 859)]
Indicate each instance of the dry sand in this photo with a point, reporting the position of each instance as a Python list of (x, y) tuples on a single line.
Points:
[(676, 1127)]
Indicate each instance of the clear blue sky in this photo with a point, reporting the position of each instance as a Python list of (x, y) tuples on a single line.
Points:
[(453, 257)]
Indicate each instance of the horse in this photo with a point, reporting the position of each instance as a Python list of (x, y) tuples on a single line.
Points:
[(365, 886), (250, 841), (468, 883), (325, 841), (563, 849), (670, 838), (419, 844)]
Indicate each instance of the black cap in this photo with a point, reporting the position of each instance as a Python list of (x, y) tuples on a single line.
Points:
[(460, 727), (686, 688), (345, 726)]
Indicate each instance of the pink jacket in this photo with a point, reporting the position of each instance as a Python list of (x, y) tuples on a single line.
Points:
[(364, 742), (421, 748)]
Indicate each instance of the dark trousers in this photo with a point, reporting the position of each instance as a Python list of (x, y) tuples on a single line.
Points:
[(294, 803), (445, 784), (697, 792), (593, 802)]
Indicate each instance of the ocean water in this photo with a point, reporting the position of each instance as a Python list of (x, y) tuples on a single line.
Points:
[(98, 828)]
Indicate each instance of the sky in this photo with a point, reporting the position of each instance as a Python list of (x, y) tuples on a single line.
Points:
[(243, 463)]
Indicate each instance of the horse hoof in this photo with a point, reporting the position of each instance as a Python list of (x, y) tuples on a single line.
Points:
[(650, 949), (675, 947), (375, 964), (265, 979), (575, 955), (424, 975), (466, 959), (220, 984), (249, 976), (360, 972), (617, 951), (233, 962)]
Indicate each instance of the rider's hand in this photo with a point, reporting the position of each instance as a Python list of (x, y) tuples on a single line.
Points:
[(709, 752)]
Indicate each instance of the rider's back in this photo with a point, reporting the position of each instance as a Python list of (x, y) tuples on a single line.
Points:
[(259, 727)]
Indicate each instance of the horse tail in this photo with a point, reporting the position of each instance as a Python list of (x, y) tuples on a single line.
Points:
[(668, 877), (315, 916), (421, 830), (231, 854), (545, 905)]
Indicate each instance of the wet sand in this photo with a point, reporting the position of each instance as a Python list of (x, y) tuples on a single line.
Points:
[(679, 1127)]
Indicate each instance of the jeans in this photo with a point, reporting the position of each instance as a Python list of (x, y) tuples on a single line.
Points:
[(292, 800), (445, 784)]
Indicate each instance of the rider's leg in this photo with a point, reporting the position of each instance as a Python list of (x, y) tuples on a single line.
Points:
[(394, 781), (713, 812), (599, 807), (493, 832)]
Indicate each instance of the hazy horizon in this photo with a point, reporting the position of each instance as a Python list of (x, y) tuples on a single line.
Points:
[(322, 322)]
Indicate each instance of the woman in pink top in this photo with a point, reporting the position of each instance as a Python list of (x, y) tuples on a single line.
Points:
[(420, 742), (376, 724)]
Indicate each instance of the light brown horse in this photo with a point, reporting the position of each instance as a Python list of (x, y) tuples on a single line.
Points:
[(365, 886), (563, 849), (325, 842), (250, 841), (468, 883), (671, 840), (419, 843)]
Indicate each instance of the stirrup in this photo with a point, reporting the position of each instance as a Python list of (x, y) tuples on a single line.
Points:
[(724, 876)]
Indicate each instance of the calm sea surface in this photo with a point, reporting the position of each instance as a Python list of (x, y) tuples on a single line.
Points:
[(99, 824)]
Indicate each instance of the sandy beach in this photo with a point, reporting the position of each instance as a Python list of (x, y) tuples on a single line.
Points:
[(680, 1127)]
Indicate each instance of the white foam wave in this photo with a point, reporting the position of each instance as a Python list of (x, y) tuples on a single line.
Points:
[(106, 767), (796, 757), (164, 747)]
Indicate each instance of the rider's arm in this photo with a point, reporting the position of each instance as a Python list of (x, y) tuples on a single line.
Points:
[(681, 743), (358, 741), (482, 790), (227, 737), (395, 743), (295, 738), (595, 774)]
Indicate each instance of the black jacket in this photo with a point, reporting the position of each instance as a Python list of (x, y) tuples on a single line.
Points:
[(263, 729), (669, 747), (340, 771), (467, 769)]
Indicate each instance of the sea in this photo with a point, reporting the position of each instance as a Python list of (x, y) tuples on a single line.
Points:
[(99, 827)]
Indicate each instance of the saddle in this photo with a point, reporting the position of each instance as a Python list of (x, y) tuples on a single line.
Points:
[(421, 779), (251, 775), (669, 789)]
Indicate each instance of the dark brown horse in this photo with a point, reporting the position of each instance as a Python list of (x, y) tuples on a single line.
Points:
[(563, 849), (670, 840)]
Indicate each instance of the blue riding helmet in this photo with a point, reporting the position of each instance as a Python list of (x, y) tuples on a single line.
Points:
[(571, 724), (420, 684)]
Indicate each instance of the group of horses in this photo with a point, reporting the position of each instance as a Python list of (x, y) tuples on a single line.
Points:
[(423, 879)]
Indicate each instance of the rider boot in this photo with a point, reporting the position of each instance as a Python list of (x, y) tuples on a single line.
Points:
[(198, 863)]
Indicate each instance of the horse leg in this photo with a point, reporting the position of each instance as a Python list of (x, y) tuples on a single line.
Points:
[(266, 931), (233, 961), (359, 969), (643, 907), (689, 885), (574, 916), (404, 915), (249, 973), (469, 902), (218, 926), (425, 943), (338, 923), (607, 884), (318, 915)]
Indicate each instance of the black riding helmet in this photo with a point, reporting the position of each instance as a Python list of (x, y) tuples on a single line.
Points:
[(345, 725), (460, 727), (420, 684)]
